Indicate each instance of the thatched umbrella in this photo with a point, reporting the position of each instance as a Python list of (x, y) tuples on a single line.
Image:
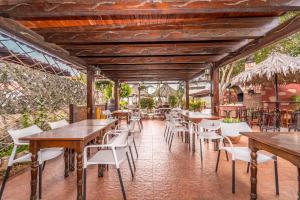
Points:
[(164, 91), (278, 67)]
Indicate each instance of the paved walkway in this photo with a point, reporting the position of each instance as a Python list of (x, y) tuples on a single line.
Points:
[(175, 175)]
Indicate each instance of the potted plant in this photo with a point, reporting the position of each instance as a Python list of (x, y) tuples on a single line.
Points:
[(296, 100), (232, 127), (173, 101)]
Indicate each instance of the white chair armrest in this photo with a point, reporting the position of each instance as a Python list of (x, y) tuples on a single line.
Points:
[(107, 134), (230, 145)]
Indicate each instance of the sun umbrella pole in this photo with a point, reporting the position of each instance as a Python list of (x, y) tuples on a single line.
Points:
[(277, 112)]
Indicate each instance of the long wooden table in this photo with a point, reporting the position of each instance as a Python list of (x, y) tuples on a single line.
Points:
[(285, 145), (122, 113), (196, 117), (74, 136)]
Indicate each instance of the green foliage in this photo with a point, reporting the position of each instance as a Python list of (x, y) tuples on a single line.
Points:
[(296, 99), (238, 67), (147, 102), (25, 119), (142, 87), (123, 104), (173, 101), (8, 150), (102, 84), (231, 120), (125, 90), (287, 16), (41, 116), (196, 104), (108, 92)]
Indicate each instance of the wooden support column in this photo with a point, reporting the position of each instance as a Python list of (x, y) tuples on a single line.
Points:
[(187, 94), (90, 91), (116, 94), (215, 102)]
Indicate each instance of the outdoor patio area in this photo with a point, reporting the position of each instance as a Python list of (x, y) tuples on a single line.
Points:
[(150, 99), (163, 174)]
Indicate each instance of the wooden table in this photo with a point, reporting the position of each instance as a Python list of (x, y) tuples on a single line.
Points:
[(74, 136), (230, 107), (122, 113), (285, 145), (196, 117)]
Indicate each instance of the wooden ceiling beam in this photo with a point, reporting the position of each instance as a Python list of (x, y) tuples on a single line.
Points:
[(282, 31), (180, 22), (58, 9), (153, 59), (153, 35), (146, 72), (153, 67), (155, 49)]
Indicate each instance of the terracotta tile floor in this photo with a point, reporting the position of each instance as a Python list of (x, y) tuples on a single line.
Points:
[(162, 174)]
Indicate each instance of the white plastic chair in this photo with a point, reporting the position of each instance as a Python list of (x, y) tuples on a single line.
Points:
[(107, 113), (136, 117), (43, 154), (112, 153), (206, 130), (131, 141), (242, 153), (177, 127), (70, 152), (58, 124)]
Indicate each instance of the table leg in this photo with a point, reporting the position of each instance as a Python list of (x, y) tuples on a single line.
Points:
[(79, 176), (72, 160), (34, 171), (253, 177), (298, 183), (193, 142), (66, 157)]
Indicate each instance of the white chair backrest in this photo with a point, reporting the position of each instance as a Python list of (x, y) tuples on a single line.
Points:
[(209, 124), (16, 134), (167, 115), (58, 124), (107, 113), (234, 129), (121, 140), (206, 111)]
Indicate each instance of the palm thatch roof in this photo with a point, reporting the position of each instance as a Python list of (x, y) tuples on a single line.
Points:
[(286, 67), (164, 91), (135, 91)]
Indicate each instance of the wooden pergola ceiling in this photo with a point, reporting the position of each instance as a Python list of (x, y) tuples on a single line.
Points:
[(156, 40)]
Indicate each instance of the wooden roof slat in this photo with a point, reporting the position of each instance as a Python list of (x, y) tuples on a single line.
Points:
[(154, 35), (155, 49), (73, 8), (184, 22), (153, 59), (168, 66)]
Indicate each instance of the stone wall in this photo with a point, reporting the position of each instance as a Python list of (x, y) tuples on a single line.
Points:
[(29, 96)]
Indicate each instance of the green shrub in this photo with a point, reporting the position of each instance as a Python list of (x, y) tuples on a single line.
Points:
[(296, 99), (173, 101), (231, 120), (25, 119), (147, 102), (7, 151), (123, 104), (196, 104), (125, 90)]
